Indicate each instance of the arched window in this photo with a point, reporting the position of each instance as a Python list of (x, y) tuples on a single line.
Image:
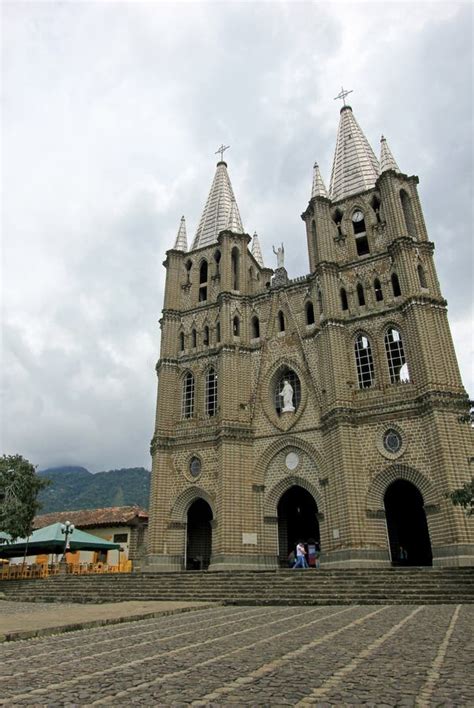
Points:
[(203, 281), (217, 259), (236, 327), (281, 321), (320, 300), (375, 204), (218, 331), (422, 276), (378, 290), (360, 233), (313, 236), (211, 392), (188, 265), (181, 341), (360, 294), (255, 327), (396, 285), (309, 309), (364, 361), (337, 218), (408, 213), (289, 399), (235, 259), (203, 272), (205, 336), (193, 339), (187, 401), (344, 303), (397, 364)]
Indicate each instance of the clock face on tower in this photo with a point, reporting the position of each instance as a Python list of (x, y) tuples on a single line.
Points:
[(357, 216)]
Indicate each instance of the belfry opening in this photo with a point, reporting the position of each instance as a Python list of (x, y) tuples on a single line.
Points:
[(406, 525), (198, 536), (297, 521)]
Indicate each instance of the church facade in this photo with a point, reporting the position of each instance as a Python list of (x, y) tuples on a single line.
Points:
[(325, 408)]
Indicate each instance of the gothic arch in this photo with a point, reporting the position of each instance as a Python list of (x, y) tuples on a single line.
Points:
[(184, 501), (278, 445), (381, 481), (273, 496)]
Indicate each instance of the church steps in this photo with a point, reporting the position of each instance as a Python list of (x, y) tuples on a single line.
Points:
[(284, 587)]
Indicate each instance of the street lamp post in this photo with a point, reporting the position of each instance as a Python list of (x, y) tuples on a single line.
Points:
[(67, 529)]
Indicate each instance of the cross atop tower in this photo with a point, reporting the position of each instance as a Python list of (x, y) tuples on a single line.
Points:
[(343, 95), (222, 149)]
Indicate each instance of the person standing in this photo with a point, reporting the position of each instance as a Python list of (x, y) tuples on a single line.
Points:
[(300, 556)]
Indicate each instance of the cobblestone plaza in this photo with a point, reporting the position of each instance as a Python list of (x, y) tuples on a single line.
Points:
[(267, 656)]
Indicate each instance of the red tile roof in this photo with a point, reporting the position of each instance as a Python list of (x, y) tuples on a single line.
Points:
[(88, 518)]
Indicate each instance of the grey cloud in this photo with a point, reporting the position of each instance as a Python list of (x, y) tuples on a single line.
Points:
[(112, 116)]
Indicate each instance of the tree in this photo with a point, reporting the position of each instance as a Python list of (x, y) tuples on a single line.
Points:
[(464, 496), (19, 486)]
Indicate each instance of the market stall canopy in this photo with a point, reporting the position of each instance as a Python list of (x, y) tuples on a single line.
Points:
[(50, 539)]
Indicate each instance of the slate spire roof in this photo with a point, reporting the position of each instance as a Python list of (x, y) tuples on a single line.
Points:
[(387, 161), (181, 243), (256, 250), (221, 210), (318, 188), (355, 167)]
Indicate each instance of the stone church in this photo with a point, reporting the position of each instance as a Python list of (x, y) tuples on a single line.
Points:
[(323, 408)]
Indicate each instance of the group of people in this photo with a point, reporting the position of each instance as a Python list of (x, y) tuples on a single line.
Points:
[(307, 555)]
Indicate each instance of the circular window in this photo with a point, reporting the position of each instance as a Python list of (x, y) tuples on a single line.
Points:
[(292, 461), (287, 392), (195, 466), (392, 441)]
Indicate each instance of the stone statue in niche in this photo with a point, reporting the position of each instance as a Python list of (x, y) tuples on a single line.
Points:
[(280, 254), (287, 394)]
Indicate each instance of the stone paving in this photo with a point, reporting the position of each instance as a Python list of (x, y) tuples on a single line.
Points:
[(23, 620), (259, 656)]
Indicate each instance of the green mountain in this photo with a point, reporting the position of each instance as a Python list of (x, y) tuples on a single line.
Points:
[(74, 488)]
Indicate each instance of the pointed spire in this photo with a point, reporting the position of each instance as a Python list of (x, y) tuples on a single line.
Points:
[(256, 250), (387, 161), (181, 243), (217, 212), (355, 167), (234, 222), (319, 188)]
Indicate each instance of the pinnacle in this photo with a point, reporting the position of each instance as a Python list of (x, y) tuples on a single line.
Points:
[(181, 243), (387, 161), (318, 188), (234, 222), (256, 250)]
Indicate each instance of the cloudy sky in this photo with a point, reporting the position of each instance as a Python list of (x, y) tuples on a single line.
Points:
[(112, 114)]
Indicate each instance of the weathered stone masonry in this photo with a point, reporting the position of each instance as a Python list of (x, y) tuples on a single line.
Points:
[(366, 340)]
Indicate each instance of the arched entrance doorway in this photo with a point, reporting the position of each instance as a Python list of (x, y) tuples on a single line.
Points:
[(297, 520), (406, 525), (198, 536)]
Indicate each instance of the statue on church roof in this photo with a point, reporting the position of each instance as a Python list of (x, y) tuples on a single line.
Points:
[(280, 254)]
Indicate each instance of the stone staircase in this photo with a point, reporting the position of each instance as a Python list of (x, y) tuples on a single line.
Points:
[(280, 587)]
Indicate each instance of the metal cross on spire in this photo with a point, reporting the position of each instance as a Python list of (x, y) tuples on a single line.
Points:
[(343, 95), (222, 150)]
